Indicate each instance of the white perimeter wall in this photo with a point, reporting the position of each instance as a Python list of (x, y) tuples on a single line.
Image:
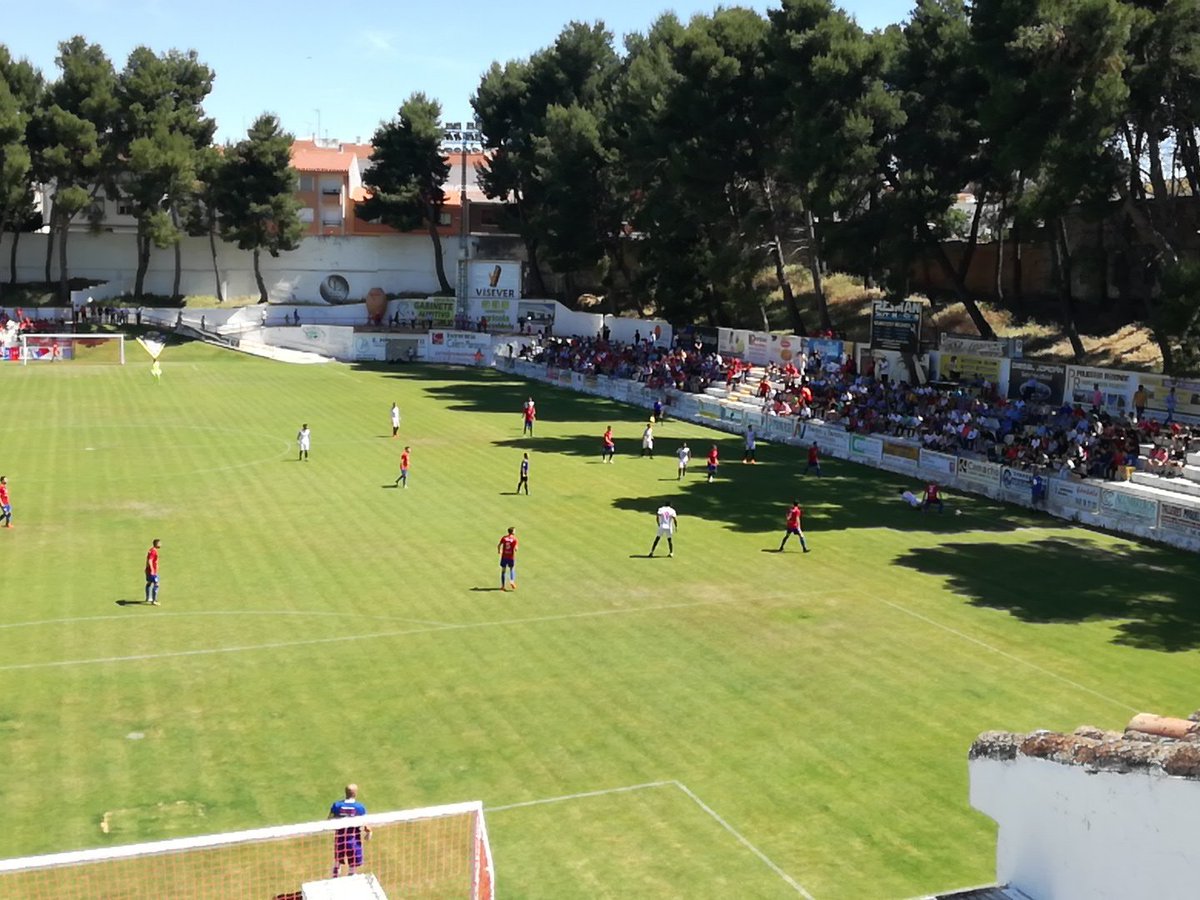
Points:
[(393, 262), (1067, 834)]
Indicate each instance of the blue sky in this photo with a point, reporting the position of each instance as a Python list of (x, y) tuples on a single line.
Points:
[(353, 61)]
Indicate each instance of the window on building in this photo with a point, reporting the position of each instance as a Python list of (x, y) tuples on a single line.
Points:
[(444, 217), (331, 188), (306, 215), (489, 216), (307, 183), (125, 208), (331, 220)]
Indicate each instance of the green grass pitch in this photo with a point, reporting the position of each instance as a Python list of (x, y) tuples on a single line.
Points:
[(795, 720)]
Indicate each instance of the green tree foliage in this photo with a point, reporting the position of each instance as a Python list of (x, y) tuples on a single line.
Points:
[(20, 87), (71, 139), (161, 129), (406, 175), (513, 105), (258, 207)]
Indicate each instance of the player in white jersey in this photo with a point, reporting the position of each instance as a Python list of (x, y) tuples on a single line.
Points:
[(911, 499), (685, 456), (395, 420), (303, 442), (668, 521), (648, 441)]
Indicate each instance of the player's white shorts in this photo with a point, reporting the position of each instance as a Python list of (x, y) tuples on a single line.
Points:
[(647, 444), (304, 445), (666, 531)]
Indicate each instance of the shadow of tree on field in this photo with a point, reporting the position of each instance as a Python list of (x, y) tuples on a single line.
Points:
[(1154, 592)]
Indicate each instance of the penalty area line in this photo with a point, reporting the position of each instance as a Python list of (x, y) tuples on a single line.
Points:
[(687, 792)]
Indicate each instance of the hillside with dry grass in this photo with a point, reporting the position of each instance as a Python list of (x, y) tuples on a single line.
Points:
[(1123, 345)]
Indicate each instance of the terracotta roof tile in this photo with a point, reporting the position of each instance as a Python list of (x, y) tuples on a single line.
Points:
[(1151, 744)]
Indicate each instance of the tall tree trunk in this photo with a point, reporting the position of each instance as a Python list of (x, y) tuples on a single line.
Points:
[(12, 258), (142, 242), (439, 264), (999, 275), (212, 246), (958, 280), (178, 252), (64, 281), (537, 285), (814, 266), (50, 244), (776, 242), (258, 279), (1018, 276), (1061, 250)]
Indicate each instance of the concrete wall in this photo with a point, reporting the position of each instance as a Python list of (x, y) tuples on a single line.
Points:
[(1070, 834), (395, 263)]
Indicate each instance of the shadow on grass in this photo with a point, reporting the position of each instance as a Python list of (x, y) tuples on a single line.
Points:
[(1154, 593)]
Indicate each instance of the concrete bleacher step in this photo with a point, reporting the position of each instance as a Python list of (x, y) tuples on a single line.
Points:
[(1192, 472), (1193, 459), (719, 392), (1171, 485), (1154, 491)]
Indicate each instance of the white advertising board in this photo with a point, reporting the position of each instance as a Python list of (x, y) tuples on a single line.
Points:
[(978, 473), (1118, 503)]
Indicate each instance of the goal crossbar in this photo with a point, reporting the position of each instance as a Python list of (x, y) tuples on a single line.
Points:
[(53, 345), (251, 836)]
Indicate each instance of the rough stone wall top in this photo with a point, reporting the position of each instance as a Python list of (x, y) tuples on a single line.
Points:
[(1144, 746)]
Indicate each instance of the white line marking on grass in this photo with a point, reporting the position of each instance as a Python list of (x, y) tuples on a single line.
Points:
[(1007, 655), (279, 645), (792, 882), (690, 794), (158, 615), (580, 796)]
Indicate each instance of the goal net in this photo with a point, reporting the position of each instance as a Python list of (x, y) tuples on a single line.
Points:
[(432, 853), (95, 349)]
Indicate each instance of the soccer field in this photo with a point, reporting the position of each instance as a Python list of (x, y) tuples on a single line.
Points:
[(731, 722)]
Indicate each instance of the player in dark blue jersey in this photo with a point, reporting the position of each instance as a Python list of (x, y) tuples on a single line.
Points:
[(524, 482), (347, 842)]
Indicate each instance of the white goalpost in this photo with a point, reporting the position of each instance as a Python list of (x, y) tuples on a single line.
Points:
[(84, 348), (436, 852)]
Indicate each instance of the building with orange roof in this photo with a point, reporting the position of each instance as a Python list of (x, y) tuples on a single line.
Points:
[(330, 184)]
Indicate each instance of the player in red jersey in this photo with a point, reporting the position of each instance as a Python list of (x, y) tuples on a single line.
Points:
[(404, 459), (5, 503), (814, 459), (530, 413), (152, 572), (507, 548), (713, 462), (933, 497), (795, 519), (610, 446)]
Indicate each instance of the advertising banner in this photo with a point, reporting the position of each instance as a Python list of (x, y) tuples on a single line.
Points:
[(901, 457), (1116, 388), (1179, 519), (465, 347), (1074, 495), (782, 426), (830, 441), (864, 449), (940, 466), (494, 279), (1129, 506), (1036, 382), (436, 311), (1016, 484), (1187, 394), (829, 348), (951, 344), (964, 367), (758, 348), (732, 342), (978, 474), (896, 326), (786, 348)]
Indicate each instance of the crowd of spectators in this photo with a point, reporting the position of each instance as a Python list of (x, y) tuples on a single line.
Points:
[(1025, 431)]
